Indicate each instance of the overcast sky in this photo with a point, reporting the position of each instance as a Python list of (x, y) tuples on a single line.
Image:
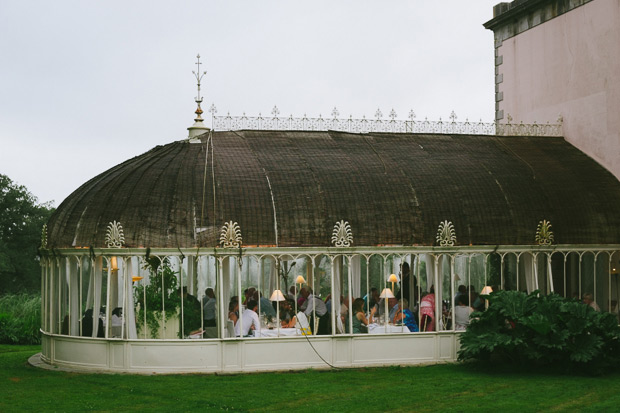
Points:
[(85, 85)]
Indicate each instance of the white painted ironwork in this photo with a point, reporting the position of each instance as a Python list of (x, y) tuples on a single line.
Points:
[(44, 236), (230, 236), (115, 237), (379, 124), (159, 354), (446, 235), (198, 127), (544, 235), (198, 76), (342, 235)]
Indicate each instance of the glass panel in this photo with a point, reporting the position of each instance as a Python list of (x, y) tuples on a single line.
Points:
[(601, 281), (557, 269), (43, 264), (53, 297), (494, 271), (313, 304), (206, 280), (477, 280), (75, 310), (117, 278), (615, 284), (160, 295), (422, 276), (446, 293), (101, 290), (510, 272), (378, 269), (587, 279), (86, 297), (542, 274), (573, 276), (189, 313), (64, 296), (527, 280), (462, 303)]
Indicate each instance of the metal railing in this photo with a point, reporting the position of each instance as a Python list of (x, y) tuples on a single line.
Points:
[(380, 124)]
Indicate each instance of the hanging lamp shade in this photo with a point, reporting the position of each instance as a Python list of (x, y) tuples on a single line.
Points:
[(300, 279)]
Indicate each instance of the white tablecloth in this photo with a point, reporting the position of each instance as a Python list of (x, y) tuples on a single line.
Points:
[(377, 329), (274, 333)]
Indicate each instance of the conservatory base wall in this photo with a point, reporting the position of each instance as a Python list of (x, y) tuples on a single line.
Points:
[(246, 355)]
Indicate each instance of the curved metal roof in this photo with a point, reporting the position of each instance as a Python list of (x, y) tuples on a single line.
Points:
[(289, 189)]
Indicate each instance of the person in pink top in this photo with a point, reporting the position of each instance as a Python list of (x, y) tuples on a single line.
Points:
[(427, 311)]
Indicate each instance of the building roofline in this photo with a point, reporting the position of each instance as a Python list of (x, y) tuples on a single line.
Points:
[(508, 13)]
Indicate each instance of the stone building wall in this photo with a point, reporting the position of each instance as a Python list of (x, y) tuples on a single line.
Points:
[(561, 58)]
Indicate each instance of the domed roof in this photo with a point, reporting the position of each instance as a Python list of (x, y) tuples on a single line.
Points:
[(289, 188)]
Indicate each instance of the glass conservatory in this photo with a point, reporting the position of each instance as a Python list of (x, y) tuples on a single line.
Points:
[(269, 250)]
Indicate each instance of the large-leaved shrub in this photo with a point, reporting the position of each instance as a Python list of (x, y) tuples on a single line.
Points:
[(542, 331)]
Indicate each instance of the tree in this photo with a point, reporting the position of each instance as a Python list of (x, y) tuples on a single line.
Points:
[(21, 221)]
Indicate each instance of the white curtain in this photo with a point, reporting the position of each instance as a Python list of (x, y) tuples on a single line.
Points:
[(97, 279), (430, 271), (273, 276), (74, 299), (129, 310), (439, 286), (337, 266), (227, 281), (529, 270), (411, 282), (192, 280), (356, 276), (433, 271), (53, 296), (550, 273)]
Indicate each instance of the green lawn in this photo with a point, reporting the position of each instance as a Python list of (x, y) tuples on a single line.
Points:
[(453, 387)]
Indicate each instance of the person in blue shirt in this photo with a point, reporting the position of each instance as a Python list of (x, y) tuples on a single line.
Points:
[(405, 316)]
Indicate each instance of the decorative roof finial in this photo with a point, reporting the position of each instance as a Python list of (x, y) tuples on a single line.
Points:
[(198, 127)]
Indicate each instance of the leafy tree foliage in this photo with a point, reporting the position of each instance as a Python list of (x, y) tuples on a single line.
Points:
[(542, 330), (21, 221)]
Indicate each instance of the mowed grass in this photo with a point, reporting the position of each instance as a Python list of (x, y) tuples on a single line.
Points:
[(445, 387)]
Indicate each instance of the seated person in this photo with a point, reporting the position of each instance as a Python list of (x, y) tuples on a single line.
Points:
[(287, 318), (117, 317), (360, 323), (292, 293), (302, 324), (301, 297), (209, 309), (462, 312), (249, 294), (588, 299), (404, 315), (370, 302), (233, 310), (249, 319), (266, 306), (87, 325), (392, 306)]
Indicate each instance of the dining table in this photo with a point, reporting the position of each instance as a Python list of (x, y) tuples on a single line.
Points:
[(282, 332), (384, 329)]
